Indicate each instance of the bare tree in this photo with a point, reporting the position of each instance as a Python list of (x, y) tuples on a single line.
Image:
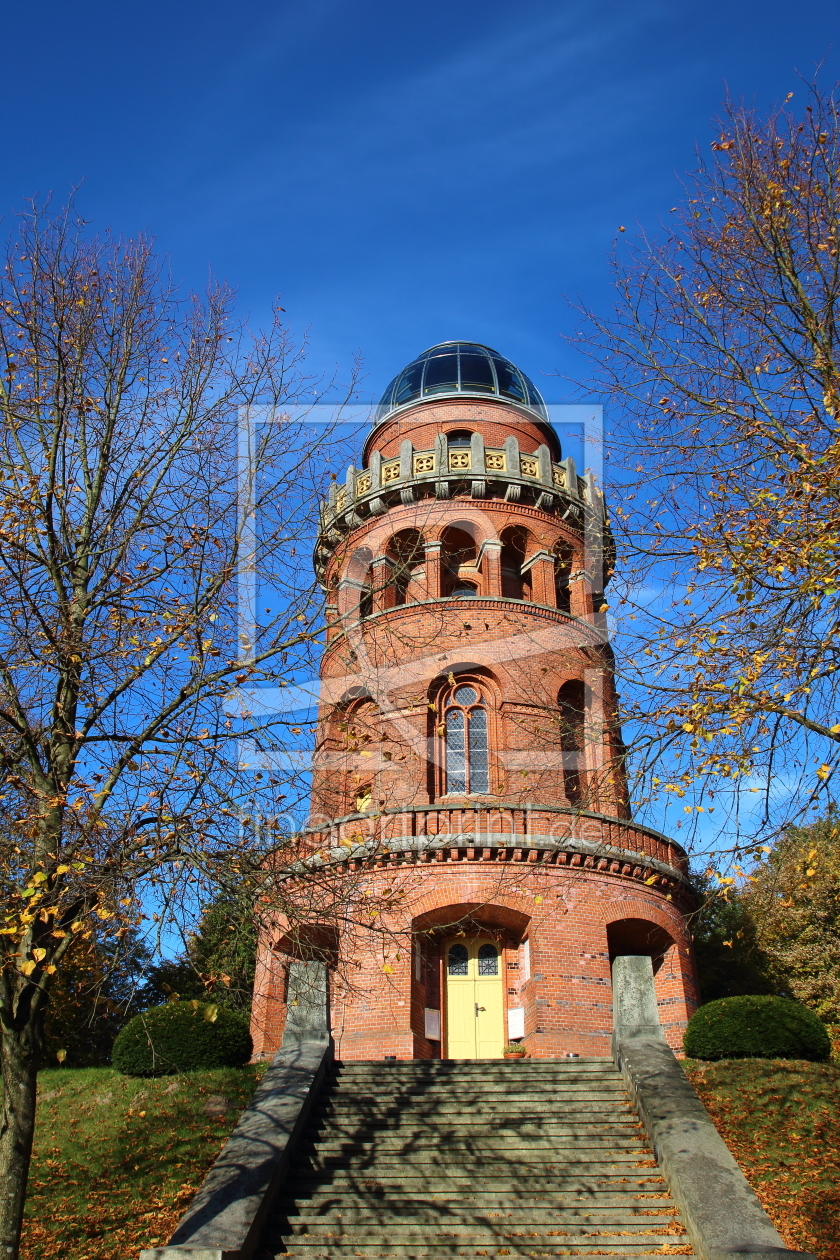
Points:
[(722, 359), (121, 537)]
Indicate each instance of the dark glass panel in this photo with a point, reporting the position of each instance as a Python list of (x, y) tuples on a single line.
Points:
[(385, 401), (476, 373), (408, 385), (510, 382), (460, 438), (441, 374), (456, 752), (488, 960), (533, 395), (465, 695), (464, 591), (458, 960), (467, 347), (479, 762)]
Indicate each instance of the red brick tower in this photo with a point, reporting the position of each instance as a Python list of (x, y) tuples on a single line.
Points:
[(468, 778)]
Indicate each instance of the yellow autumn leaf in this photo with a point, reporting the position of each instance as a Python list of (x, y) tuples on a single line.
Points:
[(389, 971), (28, 967), (39, 954), (211, 1014), (537, 900), (61, 1055), (651, 879), (823, 772)]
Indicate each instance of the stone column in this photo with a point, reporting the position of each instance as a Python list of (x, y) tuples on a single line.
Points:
[(542, 579), (383, 591), (433, 570), (492, 567)]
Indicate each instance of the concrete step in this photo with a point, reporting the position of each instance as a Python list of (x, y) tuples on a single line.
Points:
[(479, 1122), (324, 1205), (586, 1176), (420, 1160), (477, 1086), (592, 1163), (402, 1214), (432, 1247), (562, 1062), (483, 1147), (568, 1235)]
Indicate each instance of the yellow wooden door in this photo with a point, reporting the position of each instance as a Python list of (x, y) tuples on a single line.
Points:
[(474, 1001)]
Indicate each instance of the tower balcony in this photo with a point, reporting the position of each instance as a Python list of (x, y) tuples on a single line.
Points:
[(444, 472), (538, 835)]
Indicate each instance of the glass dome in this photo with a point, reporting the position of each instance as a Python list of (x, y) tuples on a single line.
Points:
[(460, 368)]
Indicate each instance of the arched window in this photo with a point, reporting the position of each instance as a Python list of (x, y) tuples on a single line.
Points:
[(459, 549), (515, 547), (571, 701), (366, 597), (562, 573), (467, 752), (407, 553)]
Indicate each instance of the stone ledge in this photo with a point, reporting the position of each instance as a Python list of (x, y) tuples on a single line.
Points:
[(722, 1214), (225, 1218)]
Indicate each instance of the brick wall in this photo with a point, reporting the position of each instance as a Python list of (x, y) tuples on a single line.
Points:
[(563, 913)]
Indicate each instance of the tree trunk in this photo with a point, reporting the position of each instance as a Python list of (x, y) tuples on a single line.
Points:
[(21, 1053)]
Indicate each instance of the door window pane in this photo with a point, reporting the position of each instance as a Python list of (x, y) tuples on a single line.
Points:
[(458, 960), (488, 961)]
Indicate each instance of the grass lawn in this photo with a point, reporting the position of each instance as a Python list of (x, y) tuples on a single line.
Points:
[(781, 1120), (117, 1159)]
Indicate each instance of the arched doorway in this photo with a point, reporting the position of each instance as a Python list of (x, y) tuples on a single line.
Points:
[(474, 999)]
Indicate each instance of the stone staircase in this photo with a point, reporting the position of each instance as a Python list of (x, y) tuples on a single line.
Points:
[(483, 1158)]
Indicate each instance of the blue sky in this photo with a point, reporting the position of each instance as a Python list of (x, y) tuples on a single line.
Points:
[(400, 174)]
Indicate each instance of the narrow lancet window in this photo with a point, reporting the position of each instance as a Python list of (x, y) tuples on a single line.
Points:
[(467, 749)]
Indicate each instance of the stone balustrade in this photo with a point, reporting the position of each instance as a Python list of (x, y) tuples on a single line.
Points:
[(504, 472), (542, 835)]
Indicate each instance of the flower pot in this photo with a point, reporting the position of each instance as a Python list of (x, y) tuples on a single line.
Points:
[(515, 1056)]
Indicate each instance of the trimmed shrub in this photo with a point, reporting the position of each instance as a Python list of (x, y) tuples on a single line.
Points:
[(182, 1037), (756, 1027)]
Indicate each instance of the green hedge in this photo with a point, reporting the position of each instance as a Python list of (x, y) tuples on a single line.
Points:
[(182, 1037), (757, 1027)]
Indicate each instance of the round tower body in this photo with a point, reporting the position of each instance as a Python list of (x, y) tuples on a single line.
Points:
[(469, 792)]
